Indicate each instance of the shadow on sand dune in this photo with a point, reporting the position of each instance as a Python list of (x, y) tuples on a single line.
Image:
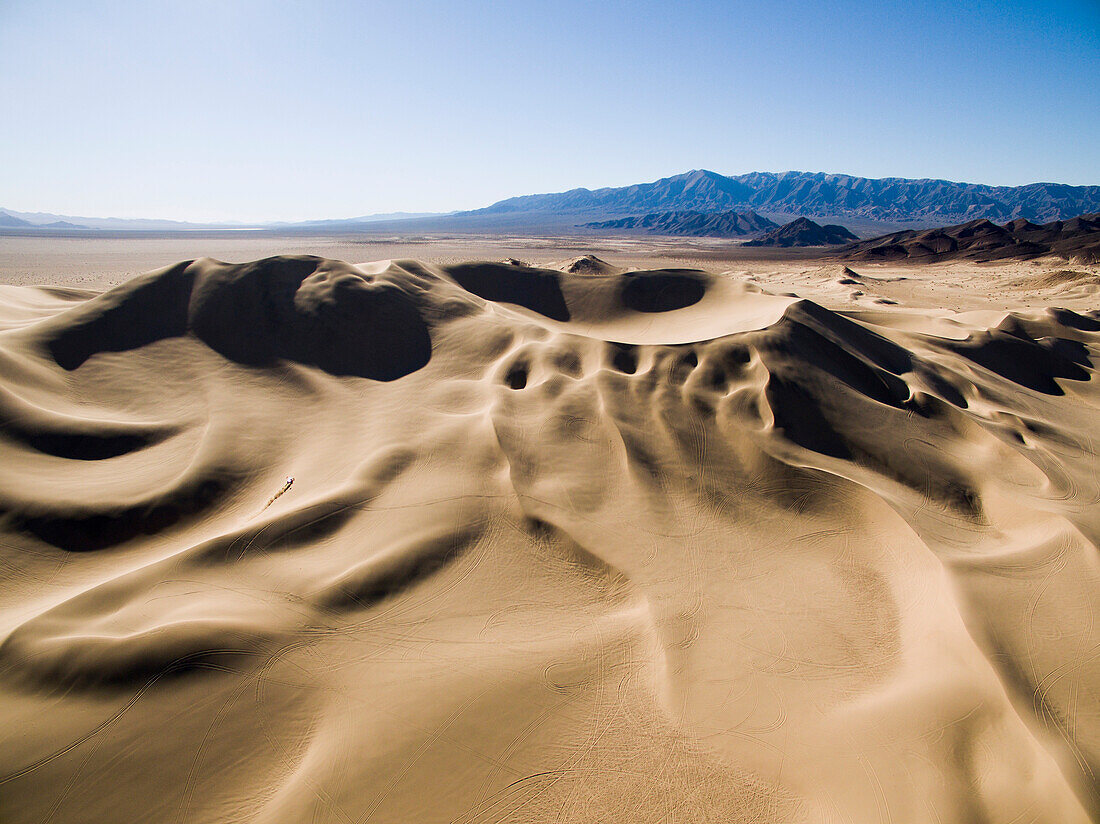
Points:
[(302, 309)]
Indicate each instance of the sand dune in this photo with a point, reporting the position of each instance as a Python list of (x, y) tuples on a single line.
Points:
[(589, 546)]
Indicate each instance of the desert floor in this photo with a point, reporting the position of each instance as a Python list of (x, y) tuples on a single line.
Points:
[(736, 538)]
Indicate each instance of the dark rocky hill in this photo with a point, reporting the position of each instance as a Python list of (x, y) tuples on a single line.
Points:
[(692, 224), (804, 232), (1074, 239)]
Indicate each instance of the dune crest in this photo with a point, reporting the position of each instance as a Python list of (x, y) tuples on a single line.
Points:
[(582, 546)]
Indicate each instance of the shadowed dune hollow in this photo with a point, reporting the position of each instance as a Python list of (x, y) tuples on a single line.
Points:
[(582, 547)]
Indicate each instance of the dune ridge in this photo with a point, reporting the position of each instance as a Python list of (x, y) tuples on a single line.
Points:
[(594, 546)]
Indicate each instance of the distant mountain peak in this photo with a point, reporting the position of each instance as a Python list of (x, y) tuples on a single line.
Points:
[(703, 174)]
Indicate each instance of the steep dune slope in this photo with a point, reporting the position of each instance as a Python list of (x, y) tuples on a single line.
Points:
[(638, 546)]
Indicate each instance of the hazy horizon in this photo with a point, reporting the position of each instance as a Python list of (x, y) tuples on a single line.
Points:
[(399, 215), (254, 113)]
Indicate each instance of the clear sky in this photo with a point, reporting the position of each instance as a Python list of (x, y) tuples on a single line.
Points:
[(224, 110)]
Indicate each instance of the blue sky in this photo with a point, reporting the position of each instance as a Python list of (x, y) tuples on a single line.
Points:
[(253, 111)]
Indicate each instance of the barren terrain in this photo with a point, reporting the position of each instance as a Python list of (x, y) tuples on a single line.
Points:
[(386, 529)]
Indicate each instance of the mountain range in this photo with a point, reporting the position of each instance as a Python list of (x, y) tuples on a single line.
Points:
[(815, 194), (864, 204), (11, 219)]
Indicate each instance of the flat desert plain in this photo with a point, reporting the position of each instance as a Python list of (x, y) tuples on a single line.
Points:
[(671, 534)]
